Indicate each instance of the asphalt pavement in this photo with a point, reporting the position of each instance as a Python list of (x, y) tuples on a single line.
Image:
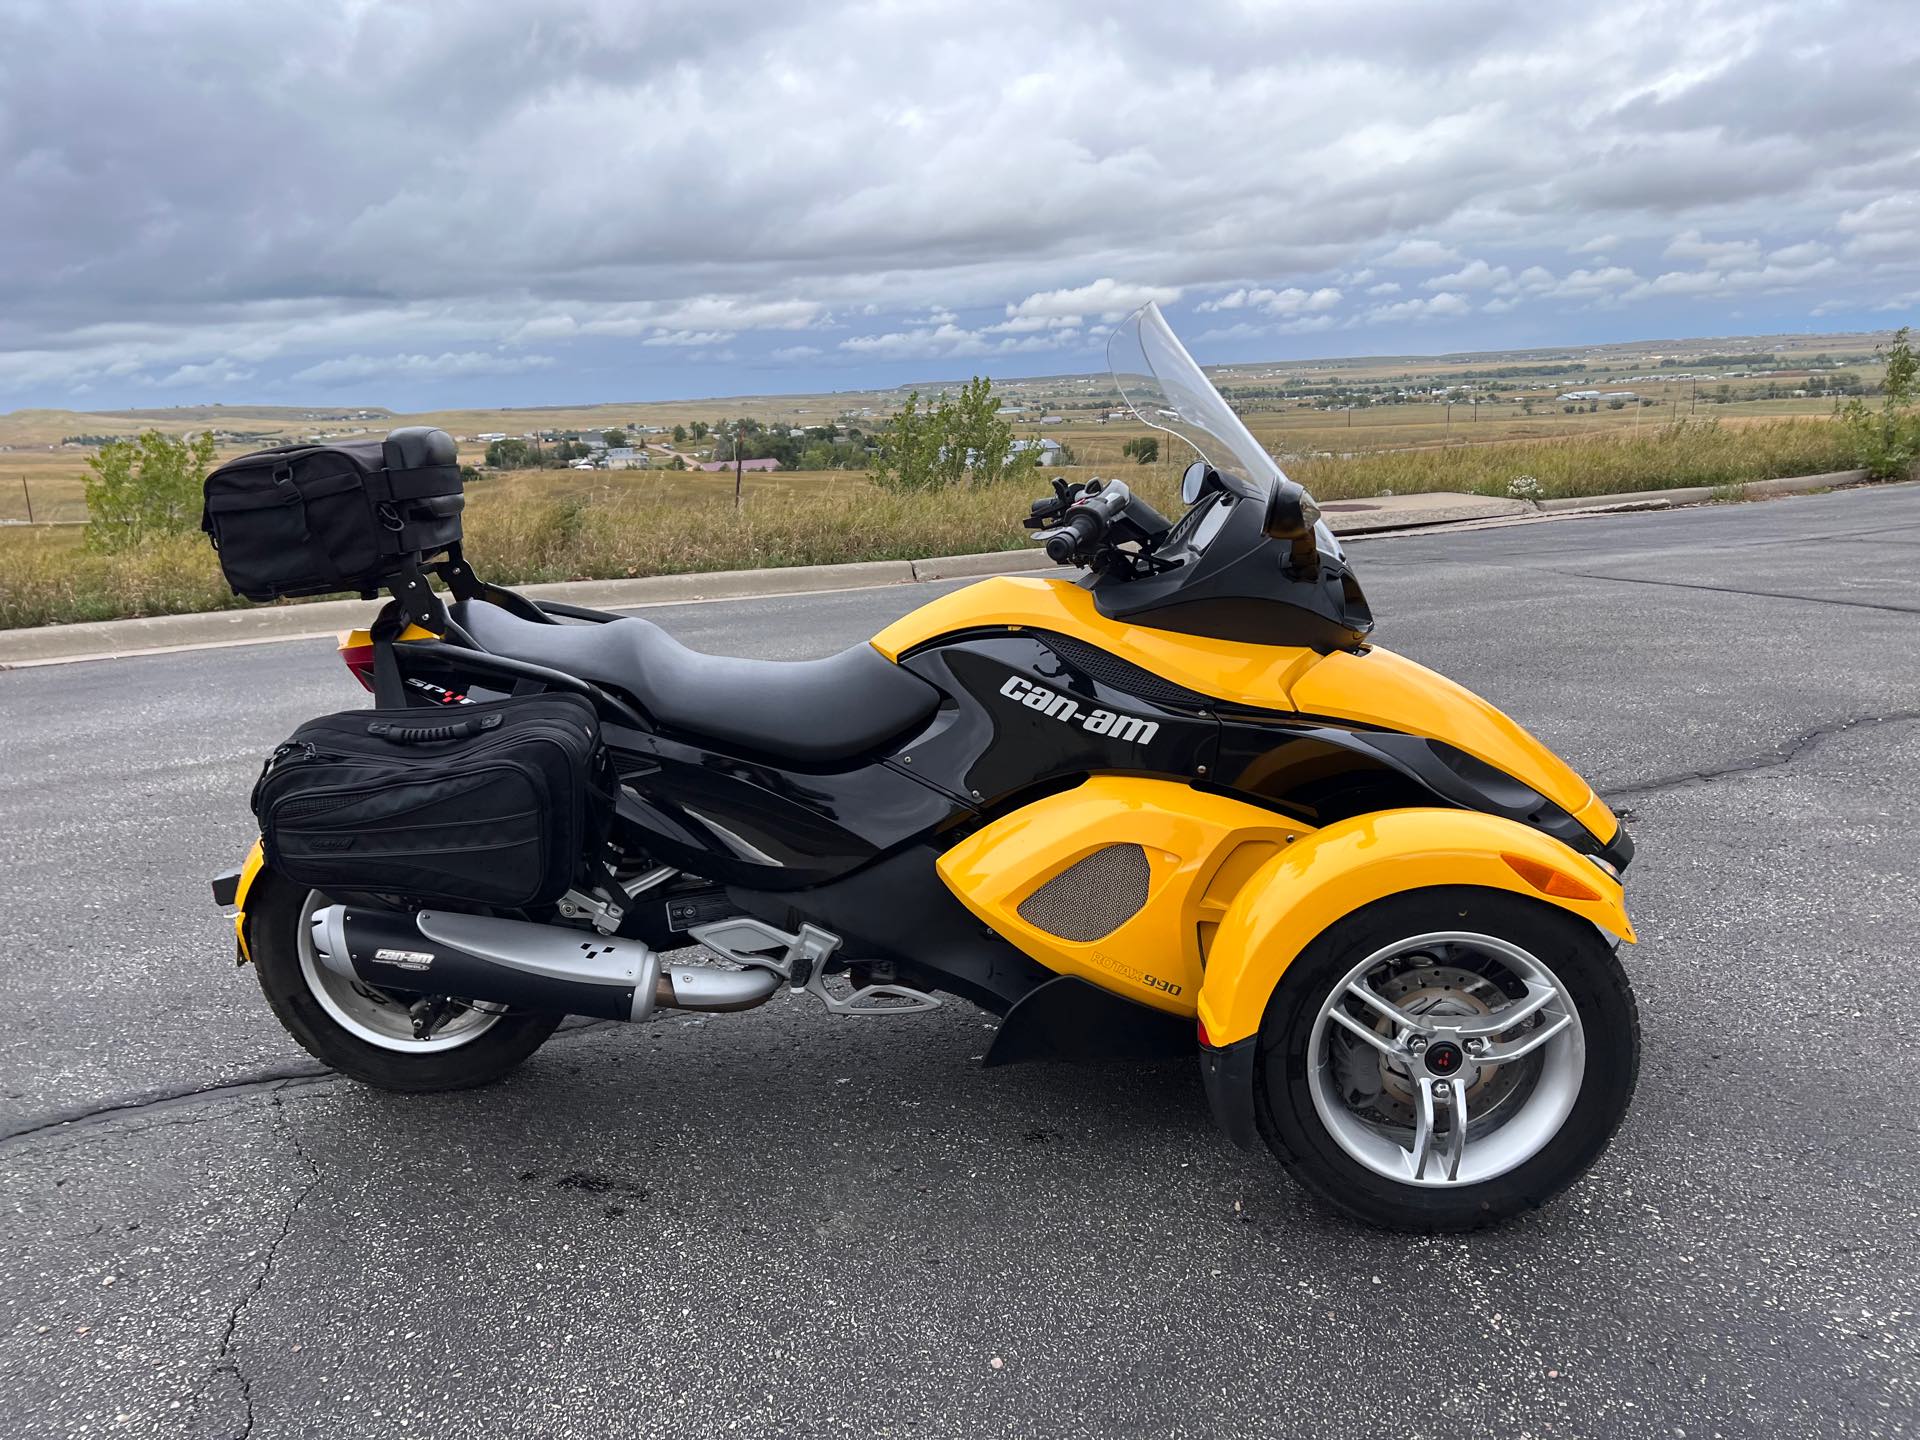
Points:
[(785, 1223)]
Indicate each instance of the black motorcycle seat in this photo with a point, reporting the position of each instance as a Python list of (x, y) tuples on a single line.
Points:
[(814, 712)]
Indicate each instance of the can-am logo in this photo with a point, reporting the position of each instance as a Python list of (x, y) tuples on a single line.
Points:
[(404, 959), (1094, 722)]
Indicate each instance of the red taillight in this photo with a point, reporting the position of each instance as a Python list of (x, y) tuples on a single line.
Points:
[(359, 659), (1201, 1026)]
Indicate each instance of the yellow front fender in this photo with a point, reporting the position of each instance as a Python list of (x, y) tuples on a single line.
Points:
[(1331, 873)]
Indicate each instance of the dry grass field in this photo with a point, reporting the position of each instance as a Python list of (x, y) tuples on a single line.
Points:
[(533, 525)]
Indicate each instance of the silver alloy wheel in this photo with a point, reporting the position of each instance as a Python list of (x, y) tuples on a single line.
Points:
[(1503, 1077), (366, 1014)]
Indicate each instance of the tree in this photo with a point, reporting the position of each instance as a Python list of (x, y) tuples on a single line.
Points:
[(952, 441), (1142, 449), (679, 434), (909, 449), (511, 455), (616, 439), (145, 487), (699, 429), (1886, 442)]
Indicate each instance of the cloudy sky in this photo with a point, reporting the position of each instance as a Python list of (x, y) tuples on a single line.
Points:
[(522, 201)]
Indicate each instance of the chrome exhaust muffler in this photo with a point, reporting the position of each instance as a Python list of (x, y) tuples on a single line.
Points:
[(549, 968)]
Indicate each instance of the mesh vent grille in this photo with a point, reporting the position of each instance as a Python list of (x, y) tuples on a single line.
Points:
[(308, 805), (1093, 896), (1122, 675)]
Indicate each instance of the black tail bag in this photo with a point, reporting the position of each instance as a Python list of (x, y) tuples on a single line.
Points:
[(500, 804), (318, 519)]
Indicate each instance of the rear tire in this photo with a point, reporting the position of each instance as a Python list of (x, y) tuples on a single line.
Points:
[(1306, 1070), (276, 921)]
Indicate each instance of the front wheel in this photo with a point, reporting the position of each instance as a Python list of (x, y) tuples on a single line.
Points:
[(365, 1033), (1447, 1058)]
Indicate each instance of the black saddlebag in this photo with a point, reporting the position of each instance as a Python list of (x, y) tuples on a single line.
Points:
[(500, 804), (316, 519)]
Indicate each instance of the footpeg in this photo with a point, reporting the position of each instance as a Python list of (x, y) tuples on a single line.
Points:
[(802, 962)]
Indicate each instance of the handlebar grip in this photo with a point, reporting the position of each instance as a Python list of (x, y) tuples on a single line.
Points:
[(1148, 518), (1085, 528)]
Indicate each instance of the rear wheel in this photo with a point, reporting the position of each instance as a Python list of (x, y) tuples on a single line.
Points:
[(1447, 1058), (365, 1033)]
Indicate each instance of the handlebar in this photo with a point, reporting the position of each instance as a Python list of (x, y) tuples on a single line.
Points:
[(1079, 531), (1085, 524)]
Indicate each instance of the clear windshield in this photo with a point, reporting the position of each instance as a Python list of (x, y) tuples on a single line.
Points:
[(1164, 387)]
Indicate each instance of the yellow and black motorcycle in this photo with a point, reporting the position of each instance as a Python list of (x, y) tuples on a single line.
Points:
[(1175, 804)]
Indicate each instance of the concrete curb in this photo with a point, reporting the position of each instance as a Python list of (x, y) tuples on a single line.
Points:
[(160, 634), (1700, 494)]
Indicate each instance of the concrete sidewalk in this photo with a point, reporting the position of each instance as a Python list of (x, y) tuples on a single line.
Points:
[(107, 639)]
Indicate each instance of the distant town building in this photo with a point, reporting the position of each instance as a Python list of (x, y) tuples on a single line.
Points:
[(1042, 451), (767, 464)]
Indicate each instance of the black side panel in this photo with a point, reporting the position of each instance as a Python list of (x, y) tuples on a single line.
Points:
[(1325, 773), (1025, 710), (741, 822), (1073, 1019), (899, 911)]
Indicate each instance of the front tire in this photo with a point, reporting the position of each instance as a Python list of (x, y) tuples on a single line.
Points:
[(1436, 1003), (360, 1032)]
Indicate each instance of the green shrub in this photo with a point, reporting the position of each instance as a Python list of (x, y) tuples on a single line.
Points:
[(1886, 442), (144, 488)]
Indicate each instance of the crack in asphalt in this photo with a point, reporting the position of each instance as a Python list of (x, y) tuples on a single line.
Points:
[(1784, 754), (225, 1362), (1735, 590), (151, 1100), (78, 1121)]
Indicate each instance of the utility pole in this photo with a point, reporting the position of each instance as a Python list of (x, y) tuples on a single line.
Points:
[(29, 494), (739, 438)]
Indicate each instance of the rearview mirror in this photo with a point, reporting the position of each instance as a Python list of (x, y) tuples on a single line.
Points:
[(1291, 512), (1291, 515), (1199, 479)]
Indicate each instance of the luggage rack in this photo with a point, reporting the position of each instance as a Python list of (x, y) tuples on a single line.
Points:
[(414, 601)]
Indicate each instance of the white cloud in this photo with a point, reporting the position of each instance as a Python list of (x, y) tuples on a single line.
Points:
[(1293, 300), (212, 373), (791, 353), (1475, 275), (1691, 245), (600, 179), (1887, 229), (1588, 284), (349, 369), (1111, 300), (1445, 305), (1385, 287), (1418, 254)]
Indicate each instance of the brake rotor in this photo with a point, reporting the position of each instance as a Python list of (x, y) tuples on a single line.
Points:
[(1440, 992)]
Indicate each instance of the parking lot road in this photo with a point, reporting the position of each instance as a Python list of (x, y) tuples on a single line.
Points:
[(785, 1223)]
